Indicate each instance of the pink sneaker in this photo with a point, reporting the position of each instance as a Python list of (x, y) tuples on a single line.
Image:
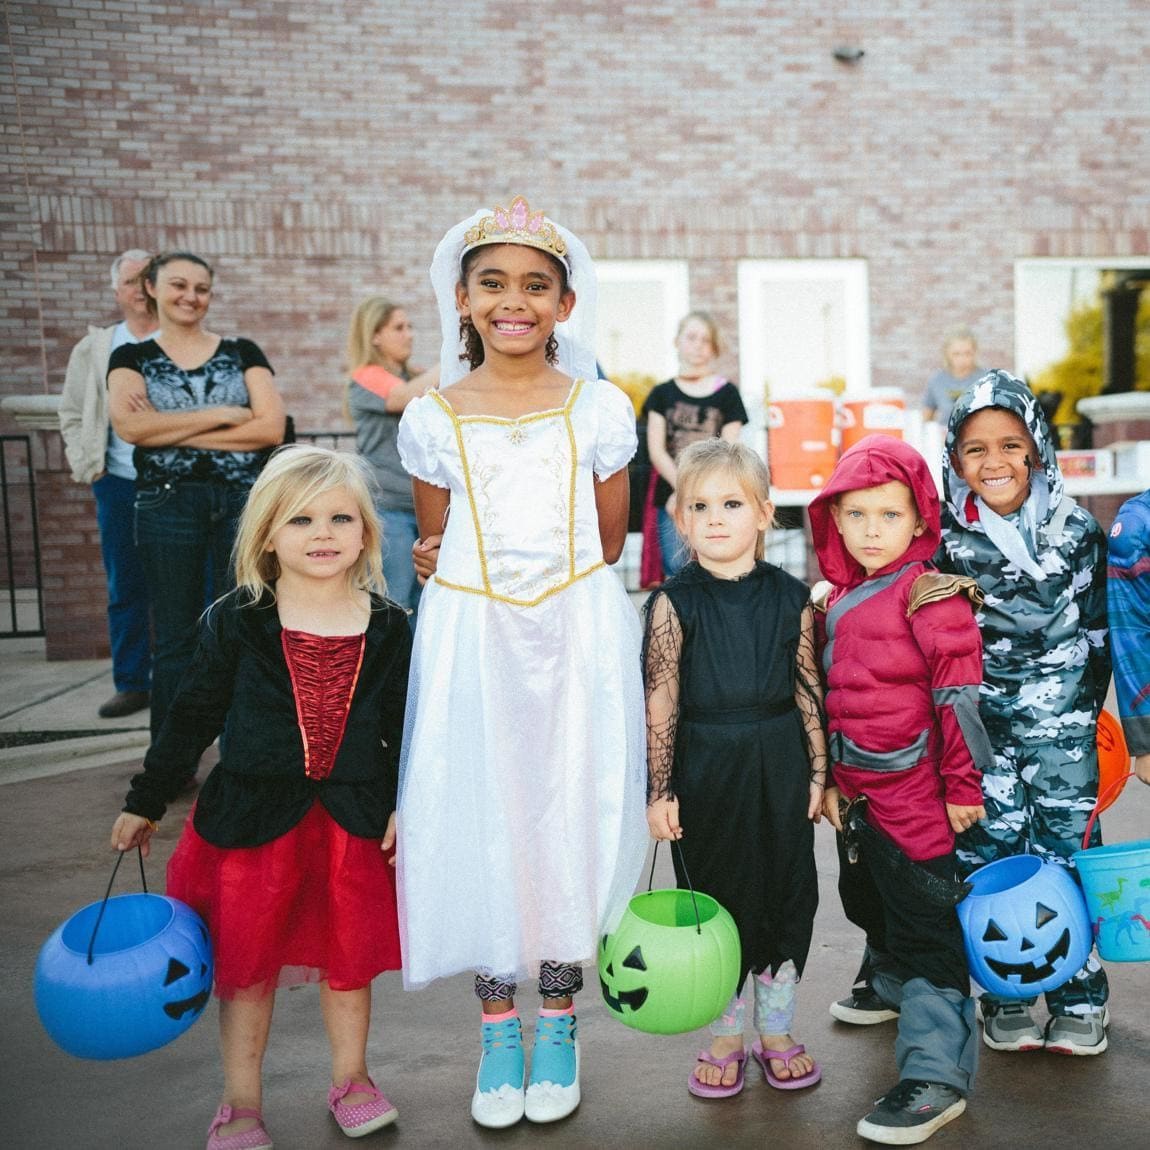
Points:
[(364, 1117), (257, 1138)]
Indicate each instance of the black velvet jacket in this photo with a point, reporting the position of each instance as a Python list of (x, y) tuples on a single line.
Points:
[(238, 684)]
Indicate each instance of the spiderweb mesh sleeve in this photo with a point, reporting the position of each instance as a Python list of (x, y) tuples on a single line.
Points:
[(662, 646), (809, 697)]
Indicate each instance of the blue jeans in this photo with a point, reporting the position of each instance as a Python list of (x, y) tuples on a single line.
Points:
[(672, 545), (184, 533), (129, 627), (400, 531)]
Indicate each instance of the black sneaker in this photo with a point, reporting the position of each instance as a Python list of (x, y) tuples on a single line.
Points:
[(911, 1113), (863, 1007)]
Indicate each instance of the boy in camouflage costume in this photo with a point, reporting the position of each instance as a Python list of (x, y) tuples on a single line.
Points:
[(1040, 561)]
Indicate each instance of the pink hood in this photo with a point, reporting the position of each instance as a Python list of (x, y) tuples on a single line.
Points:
[(873, 461)]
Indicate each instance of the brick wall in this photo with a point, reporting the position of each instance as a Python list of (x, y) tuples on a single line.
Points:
[(315, 152)]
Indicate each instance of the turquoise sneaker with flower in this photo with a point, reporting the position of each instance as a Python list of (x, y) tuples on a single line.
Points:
[(498, 1097), (553, 1091)]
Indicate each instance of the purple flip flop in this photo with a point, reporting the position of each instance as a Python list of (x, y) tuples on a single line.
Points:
[(704, 1090), (763, 1058)]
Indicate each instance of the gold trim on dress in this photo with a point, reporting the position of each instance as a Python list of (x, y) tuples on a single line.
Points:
[(522, 602), (564, 413)]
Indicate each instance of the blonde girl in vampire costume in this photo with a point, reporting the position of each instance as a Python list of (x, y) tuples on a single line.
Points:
[(521, 829), (286, 854)]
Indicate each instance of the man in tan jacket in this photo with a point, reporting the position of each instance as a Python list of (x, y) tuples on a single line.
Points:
[(98, 456)]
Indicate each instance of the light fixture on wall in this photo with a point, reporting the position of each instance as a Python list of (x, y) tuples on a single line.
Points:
[(849, 53)]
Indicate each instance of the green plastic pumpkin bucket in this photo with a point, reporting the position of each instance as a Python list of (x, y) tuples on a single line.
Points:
[(1116, 883), (672, 964)]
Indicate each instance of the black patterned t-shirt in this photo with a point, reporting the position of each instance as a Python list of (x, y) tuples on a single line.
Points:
[(691, 418), (218, 382)]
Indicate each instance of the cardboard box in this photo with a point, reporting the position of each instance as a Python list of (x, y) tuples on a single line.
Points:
[(1096, 464)]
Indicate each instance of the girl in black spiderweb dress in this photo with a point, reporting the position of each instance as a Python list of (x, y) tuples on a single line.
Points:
[(736, 750)]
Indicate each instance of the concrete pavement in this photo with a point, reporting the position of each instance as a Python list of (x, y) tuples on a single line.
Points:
[(57, 804)]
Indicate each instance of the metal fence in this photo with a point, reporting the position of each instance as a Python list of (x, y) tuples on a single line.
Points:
[(336, 440), (21, 590)]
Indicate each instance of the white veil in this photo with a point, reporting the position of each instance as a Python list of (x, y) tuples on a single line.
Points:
[(575, 336)]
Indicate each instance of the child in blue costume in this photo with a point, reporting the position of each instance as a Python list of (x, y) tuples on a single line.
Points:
[(1040, 562), (1128, 595), (736, 753)]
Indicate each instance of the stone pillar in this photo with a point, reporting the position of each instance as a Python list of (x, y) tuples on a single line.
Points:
[(71, 568), (1117, 418)]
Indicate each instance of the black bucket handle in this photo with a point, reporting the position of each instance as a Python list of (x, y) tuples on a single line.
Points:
[(683, 865), (107, 893)]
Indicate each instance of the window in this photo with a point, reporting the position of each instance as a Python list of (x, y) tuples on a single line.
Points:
[(802, 322), (1045, 292), (640, 305)]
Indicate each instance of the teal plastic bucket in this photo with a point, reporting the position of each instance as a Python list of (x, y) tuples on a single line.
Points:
[(1116, 883)]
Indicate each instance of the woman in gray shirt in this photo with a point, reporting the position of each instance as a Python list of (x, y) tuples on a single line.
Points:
[(382, 384)]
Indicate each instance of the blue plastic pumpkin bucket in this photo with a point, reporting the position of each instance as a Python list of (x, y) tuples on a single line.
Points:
[(1025, 926), (1116, 883), (124, 975)]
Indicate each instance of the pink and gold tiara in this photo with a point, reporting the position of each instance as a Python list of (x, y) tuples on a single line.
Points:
[(517, 225)]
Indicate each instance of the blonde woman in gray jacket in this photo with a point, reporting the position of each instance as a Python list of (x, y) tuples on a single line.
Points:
[(98, 456)]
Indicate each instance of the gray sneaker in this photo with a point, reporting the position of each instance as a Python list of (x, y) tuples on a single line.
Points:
[(1009, 1026), (1077, 1033), (911, 1113)]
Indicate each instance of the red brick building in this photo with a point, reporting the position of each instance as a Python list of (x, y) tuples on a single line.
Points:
[(315, 152)]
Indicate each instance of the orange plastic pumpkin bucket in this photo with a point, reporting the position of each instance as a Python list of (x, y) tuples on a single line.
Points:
[(1113, 759)]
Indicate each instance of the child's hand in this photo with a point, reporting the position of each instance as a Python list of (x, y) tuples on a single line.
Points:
[(389, 837), (425, 557), (815, 806), (131, 831), (963, 817), (1142, 768), (663, 819), (832, 796)]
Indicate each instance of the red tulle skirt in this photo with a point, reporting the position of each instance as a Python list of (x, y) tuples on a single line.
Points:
[(317, 904)]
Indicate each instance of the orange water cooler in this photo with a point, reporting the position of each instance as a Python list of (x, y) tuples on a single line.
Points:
[(801, 449), (881, 411)]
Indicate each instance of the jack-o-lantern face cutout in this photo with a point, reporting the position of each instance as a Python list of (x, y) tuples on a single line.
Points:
[(625, 999), (1025, 926), (177, 973), (1038, 968), (148, 979), (667, 969)]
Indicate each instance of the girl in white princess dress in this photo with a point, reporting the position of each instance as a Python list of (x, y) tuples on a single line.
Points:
[(522, 791)]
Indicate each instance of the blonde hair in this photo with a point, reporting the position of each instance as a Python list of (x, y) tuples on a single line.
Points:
[(707, 320), (742, 463), (960, 333), (371, 314), (294, 476)]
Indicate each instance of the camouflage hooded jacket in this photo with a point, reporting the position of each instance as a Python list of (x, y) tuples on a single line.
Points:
[(1046, 663)]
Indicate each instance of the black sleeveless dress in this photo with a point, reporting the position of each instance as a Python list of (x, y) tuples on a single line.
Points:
[(741, 770)]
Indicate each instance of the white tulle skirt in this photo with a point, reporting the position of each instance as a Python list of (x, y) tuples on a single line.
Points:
[(522, 827)]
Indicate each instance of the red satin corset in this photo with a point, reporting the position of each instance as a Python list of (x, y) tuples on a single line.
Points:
[(324, 670)]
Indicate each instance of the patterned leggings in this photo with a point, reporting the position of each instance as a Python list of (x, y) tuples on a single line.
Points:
[(774, 1004), (556, 980)]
